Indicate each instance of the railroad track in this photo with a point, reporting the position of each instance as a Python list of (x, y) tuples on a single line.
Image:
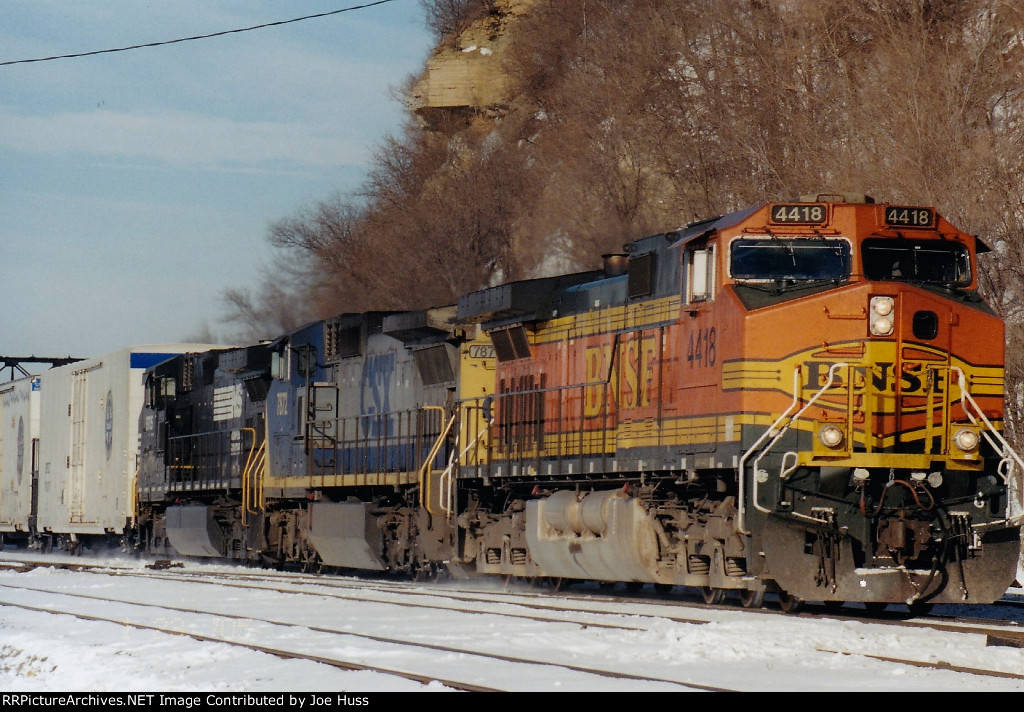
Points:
[(659, 605), (663, 605), (498, 666), (623, 615)]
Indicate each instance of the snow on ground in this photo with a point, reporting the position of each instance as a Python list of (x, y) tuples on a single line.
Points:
[(736, 649)]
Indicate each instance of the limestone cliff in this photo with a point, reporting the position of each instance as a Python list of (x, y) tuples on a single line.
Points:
[(466, 71)]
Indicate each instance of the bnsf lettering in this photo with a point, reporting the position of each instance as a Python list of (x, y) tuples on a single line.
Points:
[(638, 372), (913, 379), (597, 364)]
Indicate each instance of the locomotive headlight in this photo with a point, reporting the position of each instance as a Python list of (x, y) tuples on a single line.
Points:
[(882, 305), (881, 315), (966, 439), (831, 436), (882, 326)]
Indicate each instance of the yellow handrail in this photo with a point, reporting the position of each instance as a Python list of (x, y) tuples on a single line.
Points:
[(447, 478), (425, 468), (252, 494)]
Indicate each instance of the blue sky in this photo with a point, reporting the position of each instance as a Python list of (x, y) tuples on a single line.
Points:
[(135, 187)]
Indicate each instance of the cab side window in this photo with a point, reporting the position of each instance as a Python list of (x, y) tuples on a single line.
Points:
[(279, 364), (700, 273)]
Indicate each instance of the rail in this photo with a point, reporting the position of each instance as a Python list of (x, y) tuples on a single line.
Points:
[(377, 443), (207, 460), (424, 471), (447, 480), (775, 432), (1009, 457), (252, 477), (562, 427), (1010, 462)]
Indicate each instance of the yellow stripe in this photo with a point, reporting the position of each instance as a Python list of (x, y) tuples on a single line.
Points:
[(604, 321)]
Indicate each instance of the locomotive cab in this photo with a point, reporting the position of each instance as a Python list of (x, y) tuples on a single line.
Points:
[(887, 464)]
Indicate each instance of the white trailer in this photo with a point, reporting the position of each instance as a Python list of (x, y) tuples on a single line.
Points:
[(89, 442), (19, 436)]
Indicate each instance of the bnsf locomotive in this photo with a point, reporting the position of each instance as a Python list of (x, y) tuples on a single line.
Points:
[(801, 398)]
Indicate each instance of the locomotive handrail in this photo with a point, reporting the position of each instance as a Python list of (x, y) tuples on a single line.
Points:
[(1006, 449), (741, 523), (776, 435), (527, 440), (446, 481), (252, 482), (246, 474), (193, 459), (828, 384), (425, 468), (1007, 453), (381, 442)]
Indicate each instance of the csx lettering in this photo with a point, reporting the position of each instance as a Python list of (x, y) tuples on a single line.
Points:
[(375, 394)]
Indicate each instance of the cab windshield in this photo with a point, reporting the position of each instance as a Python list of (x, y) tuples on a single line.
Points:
[(931, 261), (778, 259)]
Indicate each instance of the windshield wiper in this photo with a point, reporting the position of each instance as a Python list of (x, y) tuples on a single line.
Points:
[(782, 286)]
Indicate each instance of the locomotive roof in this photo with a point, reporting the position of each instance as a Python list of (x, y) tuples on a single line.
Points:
[(524, 299), (703, 227), (374, 320), (410, 326)]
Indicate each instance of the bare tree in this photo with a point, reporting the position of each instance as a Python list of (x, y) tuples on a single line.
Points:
[(447, 18), (630, 117)]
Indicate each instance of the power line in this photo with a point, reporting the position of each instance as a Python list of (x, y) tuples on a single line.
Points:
[(196, 37)]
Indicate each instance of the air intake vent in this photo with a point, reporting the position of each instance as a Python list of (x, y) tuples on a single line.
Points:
[(511, 344)]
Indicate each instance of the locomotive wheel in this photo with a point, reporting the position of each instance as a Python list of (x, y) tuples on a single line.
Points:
[(429, 573), (663, 587), (712, 596), (607, 585), (513, 582), (789, 603), (634, 586), (833, 606), (312, 564), (875, 607), (752, 599)]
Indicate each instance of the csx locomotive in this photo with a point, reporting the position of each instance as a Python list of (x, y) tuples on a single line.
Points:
[(801, 398)]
